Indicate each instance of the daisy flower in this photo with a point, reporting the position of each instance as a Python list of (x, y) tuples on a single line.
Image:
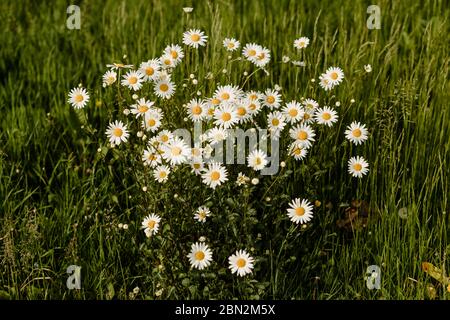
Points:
[(151, 225), (254, 95), (78, 97), (150, 69), (200, 256), (241, 263), (253, 106), (152, 120), (175, 151), (117, 66), (301, 43), (197, 165), (194, 38), (242, 111), (167, 62), (225, 116), (161, 173), (309, 109), (117, 132), (141, 107), (250, 51), (175, 51), (133, 80), (214, 175), (242, 179), (202, 213), (151, 158), (216, 135), (326, 116), (227, 93), (164, 88), (257, 160), (325, 82), (196, 110), (368, 68), (300, 211), (303, 134), (109, 78), (356, 133), (276, 123), (293, 112), (231, 44), (335, 75), (164, 136), (358, 167), (297, 151), (271, 99), (262, 57)]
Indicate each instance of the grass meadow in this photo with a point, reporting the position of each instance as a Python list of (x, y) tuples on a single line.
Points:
[(61, 201)]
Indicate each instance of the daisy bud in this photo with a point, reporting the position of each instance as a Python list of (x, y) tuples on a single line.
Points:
[(202, 239), (313, 80), (188, 9), (120, 225), (139, 134), (175, 195), (352, 101), (125, 226), (283, 164), (99, 150), (286, 59), (124, 56), (195, 81), (192, 76), (224, 71), (144, 189), (136, 290), (144, 137), (17, 170), (268, 199), (245, 73), (255, 181), (135, 96), (184, 85), (199, 93), (229, 57), (126, 112), (337, 103)]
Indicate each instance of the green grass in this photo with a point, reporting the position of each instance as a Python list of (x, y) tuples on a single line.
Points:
[(60, 201)]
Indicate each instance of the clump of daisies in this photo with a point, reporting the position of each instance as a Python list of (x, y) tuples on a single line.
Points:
[(145, 123)]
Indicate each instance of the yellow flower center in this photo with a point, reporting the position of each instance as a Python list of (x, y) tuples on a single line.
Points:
[(306, 116), (297, 151), (196, 110), (149, 71), (334, 75), (258, 161), (176, 151), (151, 224), (167, 62), (151, 157), (251, 52), (196, 166), (78, 98), (357, 167), (202, 215), (326, 116), (253, 97), (163, 87), (241, 263), (241, 111), (225, 96), (215, 101), (199, 255), (293, 113), (356, 133), (301, 43), (215, 175), (164, 138), (132, 80), (174, 54), (143, 109), (299, 211), (151, 122), (270, 99), (117, 132), (302, 135), (230, 45), (252, 106), (211, 111), (195, 37), (226, 116), (275, 122), (162, 174)]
